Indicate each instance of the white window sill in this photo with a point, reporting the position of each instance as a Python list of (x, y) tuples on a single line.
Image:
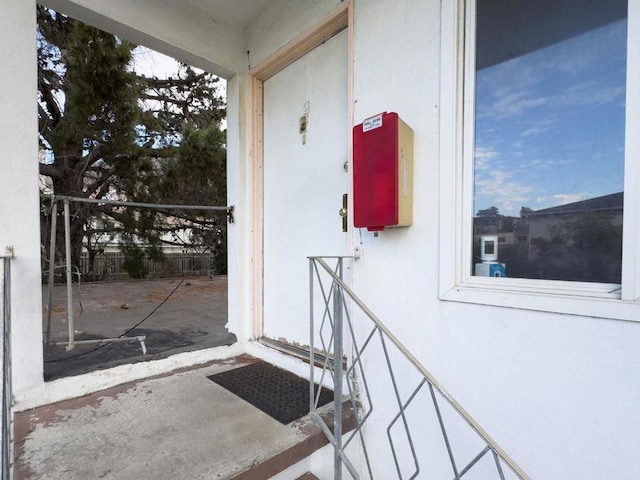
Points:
[(595, 300)]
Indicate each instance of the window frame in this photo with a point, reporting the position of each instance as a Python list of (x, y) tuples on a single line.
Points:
[(456, 190)]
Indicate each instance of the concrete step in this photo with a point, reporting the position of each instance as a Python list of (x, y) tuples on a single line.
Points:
[(176, 426), (308, 476), (313, 441)]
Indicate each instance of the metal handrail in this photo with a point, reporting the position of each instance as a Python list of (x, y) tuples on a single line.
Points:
[(335, 308), (7, 394)]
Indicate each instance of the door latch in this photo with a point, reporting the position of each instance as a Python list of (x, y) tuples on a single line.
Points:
[(344, 213)]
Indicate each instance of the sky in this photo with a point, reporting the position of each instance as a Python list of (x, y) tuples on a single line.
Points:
[(151, 63), (550, 124)]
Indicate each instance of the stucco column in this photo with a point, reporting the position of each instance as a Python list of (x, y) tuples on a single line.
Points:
[(239, 187), (19, 202)]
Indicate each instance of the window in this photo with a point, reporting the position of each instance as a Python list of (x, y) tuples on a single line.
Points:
[(548, 149), (539, 153)]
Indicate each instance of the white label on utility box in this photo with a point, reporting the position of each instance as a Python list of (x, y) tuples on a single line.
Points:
[(372, 123)]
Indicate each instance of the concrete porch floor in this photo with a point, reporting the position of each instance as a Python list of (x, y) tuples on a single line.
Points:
[(181, 425)]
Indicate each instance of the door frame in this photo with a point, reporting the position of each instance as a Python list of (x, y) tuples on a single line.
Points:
[(341, 18)]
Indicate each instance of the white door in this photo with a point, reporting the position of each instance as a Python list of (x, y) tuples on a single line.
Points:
[(304, 180)]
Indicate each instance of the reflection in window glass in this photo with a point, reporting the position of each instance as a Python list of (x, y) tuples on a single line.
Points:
[(549, 137)]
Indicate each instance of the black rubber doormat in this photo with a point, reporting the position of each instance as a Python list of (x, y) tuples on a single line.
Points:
[(278, 393)]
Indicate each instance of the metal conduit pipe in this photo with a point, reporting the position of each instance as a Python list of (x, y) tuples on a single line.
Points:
[(102, 341), (67, 237), (228, 209)]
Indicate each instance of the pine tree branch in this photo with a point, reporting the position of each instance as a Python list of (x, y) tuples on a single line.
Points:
[(53, 113), (155, 82), (50, 170), (165, 98)]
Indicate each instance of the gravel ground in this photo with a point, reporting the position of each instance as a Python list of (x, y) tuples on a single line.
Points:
[(175, 314)]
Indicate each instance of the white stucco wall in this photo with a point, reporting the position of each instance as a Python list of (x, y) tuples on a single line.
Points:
[(559, 393), (285, 20), (187, 38), (240, 194), (19, 197)]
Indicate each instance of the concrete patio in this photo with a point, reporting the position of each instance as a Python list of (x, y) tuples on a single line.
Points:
[(181, 425)]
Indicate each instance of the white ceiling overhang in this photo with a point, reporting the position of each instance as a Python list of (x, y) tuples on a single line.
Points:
[(209, 34)]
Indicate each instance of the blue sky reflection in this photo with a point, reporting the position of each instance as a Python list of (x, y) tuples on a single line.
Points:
[(550, 124)]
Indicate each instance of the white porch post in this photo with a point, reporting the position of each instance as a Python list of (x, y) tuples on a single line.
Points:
[(241, 235), (19, 203)]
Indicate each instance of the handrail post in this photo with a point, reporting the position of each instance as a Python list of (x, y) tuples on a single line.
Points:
[(67, 245), (337, 381), (7, 393), (312, 395), (52, 259)]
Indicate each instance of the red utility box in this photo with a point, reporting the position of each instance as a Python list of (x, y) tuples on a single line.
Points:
[(382, 173)]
